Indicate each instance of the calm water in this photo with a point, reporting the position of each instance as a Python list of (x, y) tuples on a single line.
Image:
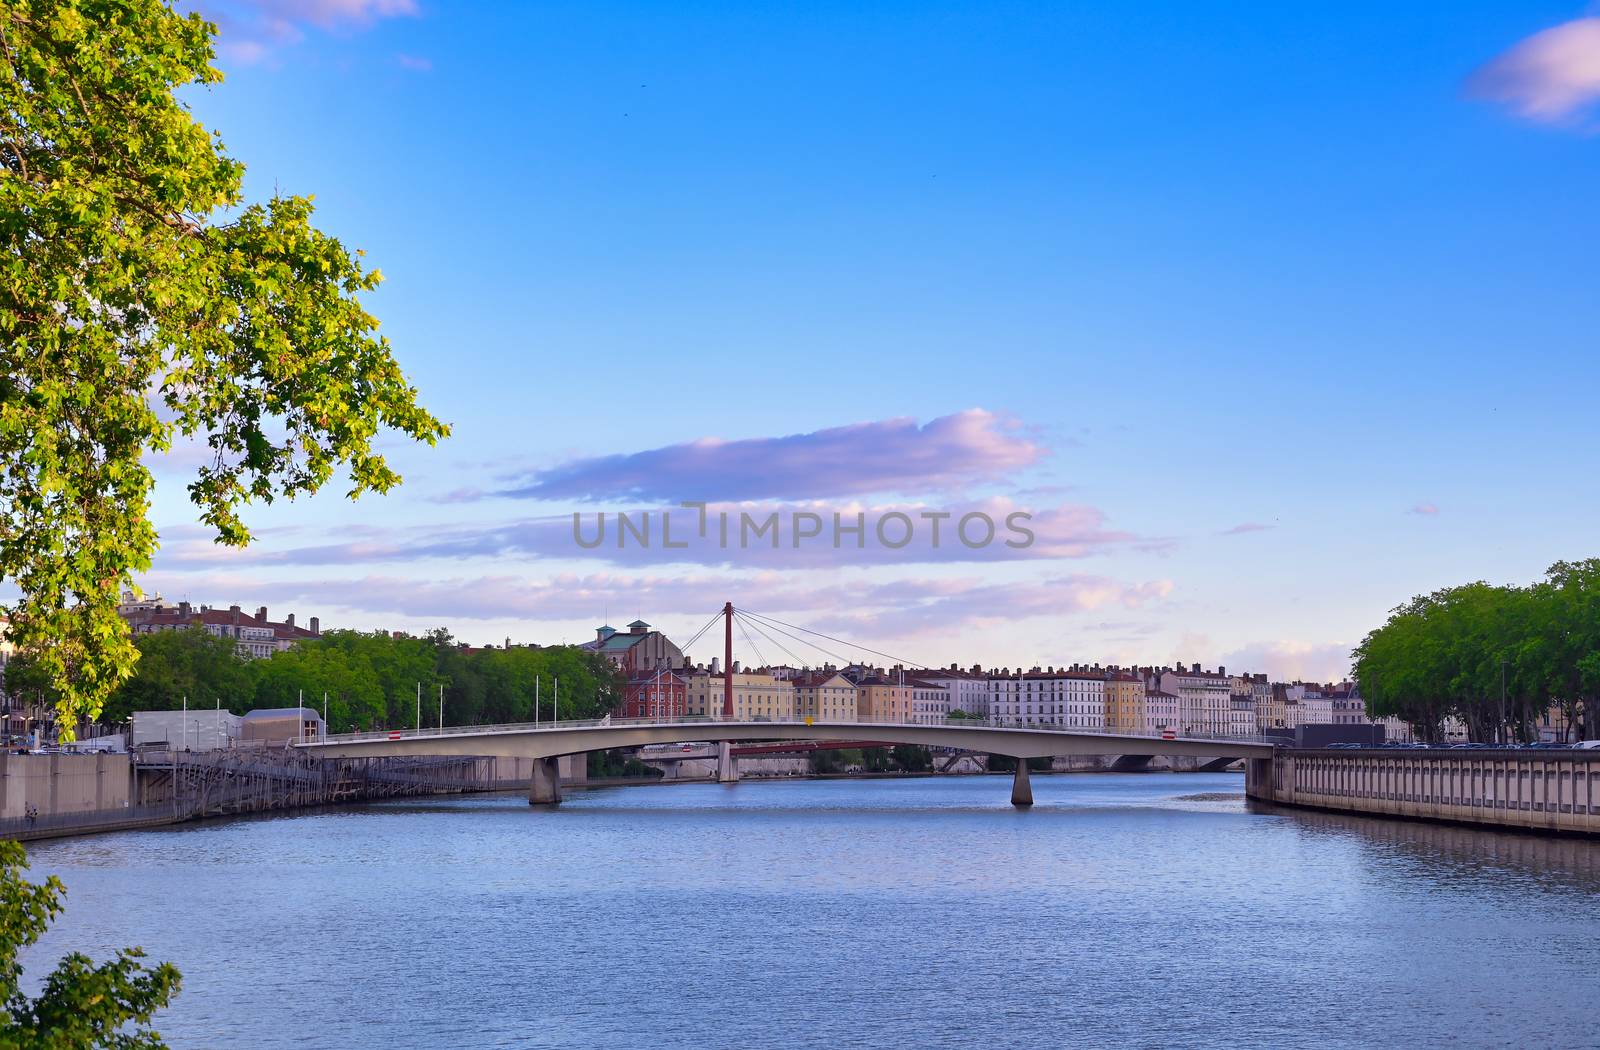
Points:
[(1150, 910)]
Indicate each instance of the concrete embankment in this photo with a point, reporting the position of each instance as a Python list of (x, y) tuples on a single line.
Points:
[(50, 796), (1550, 791)]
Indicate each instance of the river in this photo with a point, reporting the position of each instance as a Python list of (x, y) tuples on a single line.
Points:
[(1121, 910)]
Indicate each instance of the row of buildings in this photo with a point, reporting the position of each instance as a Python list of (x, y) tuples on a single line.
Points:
[(1183, 700), (255, 636)]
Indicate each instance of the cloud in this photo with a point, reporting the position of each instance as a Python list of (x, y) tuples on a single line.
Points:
[(680, 604), (1551, 77), (414, 63), (1286, 660), (249, 31), (1247, 526), (1427, 510), (1067, 531), (894, 455)]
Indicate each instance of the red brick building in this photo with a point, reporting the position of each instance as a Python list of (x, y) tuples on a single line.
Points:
[(657, 694)]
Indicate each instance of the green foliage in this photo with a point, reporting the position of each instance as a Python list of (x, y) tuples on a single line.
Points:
[(1452, 652), (142, 300), (617, 763), (82, 1004), (910, 758), (370, 679), (189, 663)]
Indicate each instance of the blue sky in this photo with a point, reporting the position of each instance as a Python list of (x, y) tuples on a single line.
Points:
[(1162, 271)]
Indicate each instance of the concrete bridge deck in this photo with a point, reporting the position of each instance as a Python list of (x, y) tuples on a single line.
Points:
[(546, 742)]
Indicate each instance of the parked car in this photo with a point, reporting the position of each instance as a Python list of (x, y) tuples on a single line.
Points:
[(1587, 745)]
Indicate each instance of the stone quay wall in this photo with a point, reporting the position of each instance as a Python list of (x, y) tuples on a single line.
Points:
[(1556, 790)]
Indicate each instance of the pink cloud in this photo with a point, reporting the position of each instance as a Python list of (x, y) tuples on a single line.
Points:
[(415, 63), (1064, 531), (1550, 77), (1427, 510), (1286, 660), (250, 30), (894, 455), (680, 604), (1247, 526)]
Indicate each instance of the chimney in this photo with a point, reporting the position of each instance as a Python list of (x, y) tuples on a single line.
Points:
[(1221, 670), (289, 620), (1196, 669), (234, 609), (184, 610), (314, 626), (261, 614)]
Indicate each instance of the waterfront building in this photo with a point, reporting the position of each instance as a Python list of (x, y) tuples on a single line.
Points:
[(1125, 702), (197, 730), (930, 703), (824, 696), (1205, 699), (1160, 711), (1002, 688), (254, 637), (638, 651), (1315, 705), (756, 697), (1347, 707), (1271, 703), (1053, 696), (655, 694), (968, 690), (883, 699)]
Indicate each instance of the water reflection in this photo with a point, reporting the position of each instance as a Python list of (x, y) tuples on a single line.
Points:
[(1139, 909), (1454, 852)]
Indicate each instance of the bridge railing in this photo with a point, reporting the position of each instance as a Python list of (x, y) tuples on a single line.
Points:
[(922, 721)]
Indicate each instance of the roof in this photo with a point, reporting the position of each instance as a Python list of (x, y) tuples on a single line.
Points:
[(812, 679), (646, 677), (175, 618), (267, 714), (638, 623)]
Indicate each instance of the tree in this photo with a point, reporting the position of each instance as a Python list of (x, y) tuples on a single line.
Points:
[(81, 1005), (143, 300), (313, 670), (174, 665), (1498, 658)]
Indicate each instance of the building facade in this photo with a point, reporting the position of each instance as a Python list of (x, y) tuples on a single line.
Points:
[(824, 696), (756, 697), (883, 699), (657, 694), (1125, 702), (638, 651), (930, 702), (254, 637)]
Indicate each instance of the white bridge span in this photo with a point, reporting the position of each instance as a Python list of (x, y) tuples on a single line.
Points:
[(545, 742)]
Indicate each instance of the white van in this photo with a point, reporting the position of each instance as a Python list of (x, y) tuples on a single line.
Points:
[(1588, 745)]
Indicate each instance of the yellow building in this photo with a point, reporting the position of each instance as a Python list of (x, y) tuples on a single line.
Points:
[(1125, 702), (824, 696), (883, 700), (756, 697), (1272, 710)]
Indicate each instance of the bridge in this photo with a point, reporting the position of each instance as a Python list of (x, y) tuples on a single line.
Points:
[(545, 742)]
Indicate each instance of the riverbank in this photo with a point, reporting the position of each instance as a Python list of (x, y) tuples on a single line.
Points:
[(1551, 792)]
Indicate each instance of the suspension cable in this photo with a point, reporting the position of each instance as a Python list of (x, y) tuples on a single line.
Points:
[(757, 628), (840, 641)]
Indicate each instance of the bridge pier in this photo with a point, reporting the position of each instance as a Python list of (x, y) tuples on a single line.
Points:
[(545, 787), (727, 765), (1021, 786)]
